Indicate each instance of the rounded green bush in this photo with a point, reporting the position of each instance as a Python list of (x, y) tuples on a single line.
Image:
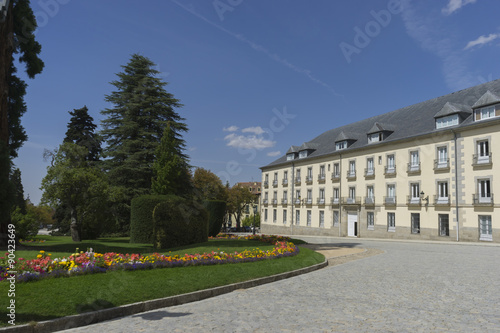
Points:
[(216, 210), (179, 222), (141, 217)]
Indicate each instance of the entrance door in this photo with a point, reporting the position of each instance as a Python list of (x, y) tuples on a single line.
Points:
[(352, 221)]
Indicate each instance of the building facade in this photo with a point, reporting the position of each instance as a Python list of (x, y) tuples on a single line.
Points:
[(426, 171)]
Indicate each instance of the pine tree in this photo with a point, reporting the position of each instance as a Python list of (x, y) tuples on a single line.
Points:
[(133, 128), (16, 36), (171, 169), (81, 131), (18, 195)]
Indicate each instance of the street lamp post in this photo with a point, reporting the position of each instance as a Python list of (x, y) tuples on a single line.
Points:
[(254, 213)]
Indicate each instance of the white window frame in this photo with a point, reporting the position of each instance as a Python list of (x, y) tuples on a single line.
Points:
[(442, 156), (483, 151), (391, 163), (485, 228), (443, 192), (415, 193), (484, 190), (352, 195), (309, 196), (336, 218), (370, 194), (309, 217), (352, 168), (414, 160), (370, 166), (297, 217), (341, 145), (370, 220), (447, 121), (321, 218), (336, 195)]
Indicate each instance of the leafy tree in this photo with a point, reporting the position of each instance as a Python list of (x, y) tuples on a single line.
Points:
[(133, 127), (81, 131), (16, 37), (238, 198), (208, 185), (26, 224), (249, 221), (81, 186), (171, 170)]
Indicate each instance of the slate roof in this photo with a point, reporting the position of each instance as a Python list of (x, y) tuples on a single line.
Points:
[(487, 99), (452, 108), (410, 121)]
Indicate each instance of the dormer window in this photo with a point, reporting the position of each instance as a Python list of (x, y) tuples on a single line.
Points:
[(378, 133), (487, 112), (290, 157), (341, 145), (375, 137), (447, 121), (302, 153), (488, 106)]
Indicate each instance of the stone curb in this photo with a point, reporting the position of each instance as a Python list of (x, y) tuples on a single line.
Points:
[(94, 317)]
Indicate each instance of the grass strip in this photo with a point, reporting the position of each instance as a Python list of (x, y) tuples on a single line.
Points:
[(54, 298)]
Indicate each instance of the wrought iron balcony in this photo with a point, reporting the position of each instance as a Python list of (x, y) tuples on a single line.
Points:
[(485, 199), (481, 160)]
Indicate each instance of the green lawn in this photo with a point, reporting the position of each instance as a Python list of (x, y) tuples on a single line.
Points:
[(59, 297)]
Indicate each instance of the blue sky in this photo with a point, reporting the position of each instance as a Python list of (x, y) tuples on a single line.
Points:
[(258, 76)]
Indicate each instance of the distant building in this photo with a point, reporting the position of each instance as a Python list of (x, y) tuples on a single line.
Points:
[(255, 188), (426, 171)]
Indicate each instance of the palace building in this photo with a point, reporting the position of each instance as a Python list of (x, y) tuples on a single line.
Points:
[(426, 171)]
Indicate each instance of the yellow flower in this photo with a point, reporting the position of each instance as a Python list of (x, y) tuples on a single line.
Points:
[(42, 252), (39, 256)]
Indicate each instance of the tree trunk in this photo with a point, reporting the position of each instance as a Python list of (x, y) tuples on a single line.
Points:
[(75, 232), (6, 49)]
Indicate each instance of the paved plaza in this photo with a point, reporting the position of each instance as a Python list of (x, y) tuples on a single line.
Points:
[(408, 287)]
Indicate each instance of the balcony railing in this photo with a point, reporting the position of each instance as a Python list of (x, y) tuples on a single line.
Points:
[(297, 201), (266, 184), (275, 202), (369, 172), (481, 160), (441, 165), (413, 168), (321, 178), (285, 182), (485, 199), (297, 181), (351, 174), (275, 183), (308, 201), (441, 201), (265, 201), (335, 201), (390, 201), (413, 201), (309, 180), (390, 171), (369, 201), (351, 200), (284, 201), (320, 201), (335, 176)]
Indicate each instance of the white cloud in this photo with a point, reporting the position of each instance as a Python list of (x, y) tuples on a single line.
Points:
[(256, 130), (248, 142), (454, 5), (230, 129), (433, 36), (482, 40), (274, 153)]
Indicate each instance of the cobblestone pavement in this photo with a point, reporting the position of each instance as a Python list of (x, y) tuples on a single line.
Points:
[(410, 287)]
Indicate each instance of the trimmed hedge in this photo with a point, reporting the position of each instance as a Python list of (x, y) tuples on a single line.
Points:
[(141, 217), (179, 222), (216, 210)]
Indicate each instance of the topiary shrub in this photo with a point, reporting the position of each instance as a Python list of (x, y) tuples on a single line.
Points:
[(179, 222), (141, 217), (216, 210)]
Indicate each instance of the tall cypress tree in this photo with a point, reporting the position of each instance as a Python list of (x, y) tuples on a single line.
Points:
[(171, 169), (133, 128), (16, 36), (81, 131)]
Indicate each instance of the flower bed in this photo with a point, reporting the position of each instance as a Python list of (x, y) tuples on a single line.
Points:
[(90, 262)]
